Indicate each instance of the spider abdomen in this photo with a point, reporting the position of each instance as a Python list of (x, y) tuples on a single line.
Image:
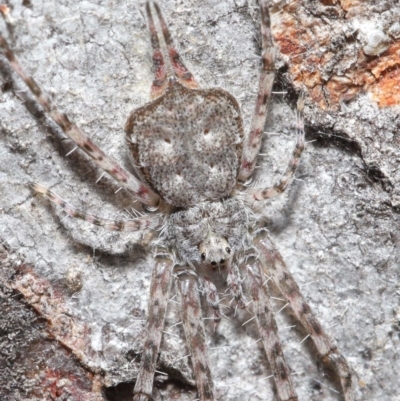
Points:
[(187, 144)]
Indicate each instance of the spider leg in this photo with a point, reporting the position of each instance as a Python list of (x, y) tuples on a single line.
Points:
[(235, 283), (140, 191), (160, 79), (212, 299), (194, 332), (257, 194), (184, 76), (138, 224), (272, 260), (159, 292), (252, 143), (269, 333)]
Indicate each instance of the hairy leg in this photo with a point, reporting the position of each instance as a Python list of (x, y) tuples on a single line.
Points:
[(235, 283), (257, 194), (252, 142), (138, 224), (158, 302), (269, 332), (139, 190), (274, 265), (194, 331), (212, 299)]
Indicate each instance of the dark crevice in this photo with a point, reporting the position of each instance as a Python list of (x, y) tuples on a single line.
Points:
[(120, 392), (124, 391), (324, 138)]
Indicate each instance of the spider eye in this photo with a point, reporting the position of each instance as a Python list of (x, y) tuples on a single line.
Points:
[(227, 249), (203, 256)]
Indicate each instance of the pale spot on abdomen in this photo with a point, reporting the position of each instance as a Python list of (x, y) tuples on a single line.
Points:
[(190, 153)]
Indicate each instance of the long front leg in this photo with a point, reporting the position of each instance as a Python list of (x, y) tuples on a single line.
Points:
[(194, 331), (269, 333), (140, 191), (252, 143), (159, 292), (274, 265)]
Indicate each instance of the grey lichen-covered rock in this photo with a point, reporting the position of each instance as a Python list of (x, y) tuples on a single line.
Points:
[(337, 229)]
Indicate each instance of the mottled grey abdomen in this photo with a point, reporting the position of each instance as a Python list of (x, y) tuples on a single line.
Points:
[(187, 144)]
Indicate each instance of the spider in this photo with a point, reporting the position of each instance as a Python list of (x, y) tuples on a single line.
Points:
[(193, 165)]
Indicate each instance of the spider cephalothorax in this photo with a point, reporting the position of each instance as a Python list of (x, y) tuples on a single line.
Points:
[(189, 149), (210, 233)]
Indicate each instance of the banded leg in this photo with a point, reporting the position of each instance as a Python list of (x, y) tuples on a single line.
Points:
[(184, 76), (212, 299), (235, 283), (160, 75), (194, 331), (252, 142), (256, 194), (159, 292), (274, 265), (140, 191), (138, 224), (269, 333)]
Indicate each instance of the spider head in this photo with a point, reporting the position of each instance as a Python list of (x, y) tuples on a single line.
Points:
[(214, 251)]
